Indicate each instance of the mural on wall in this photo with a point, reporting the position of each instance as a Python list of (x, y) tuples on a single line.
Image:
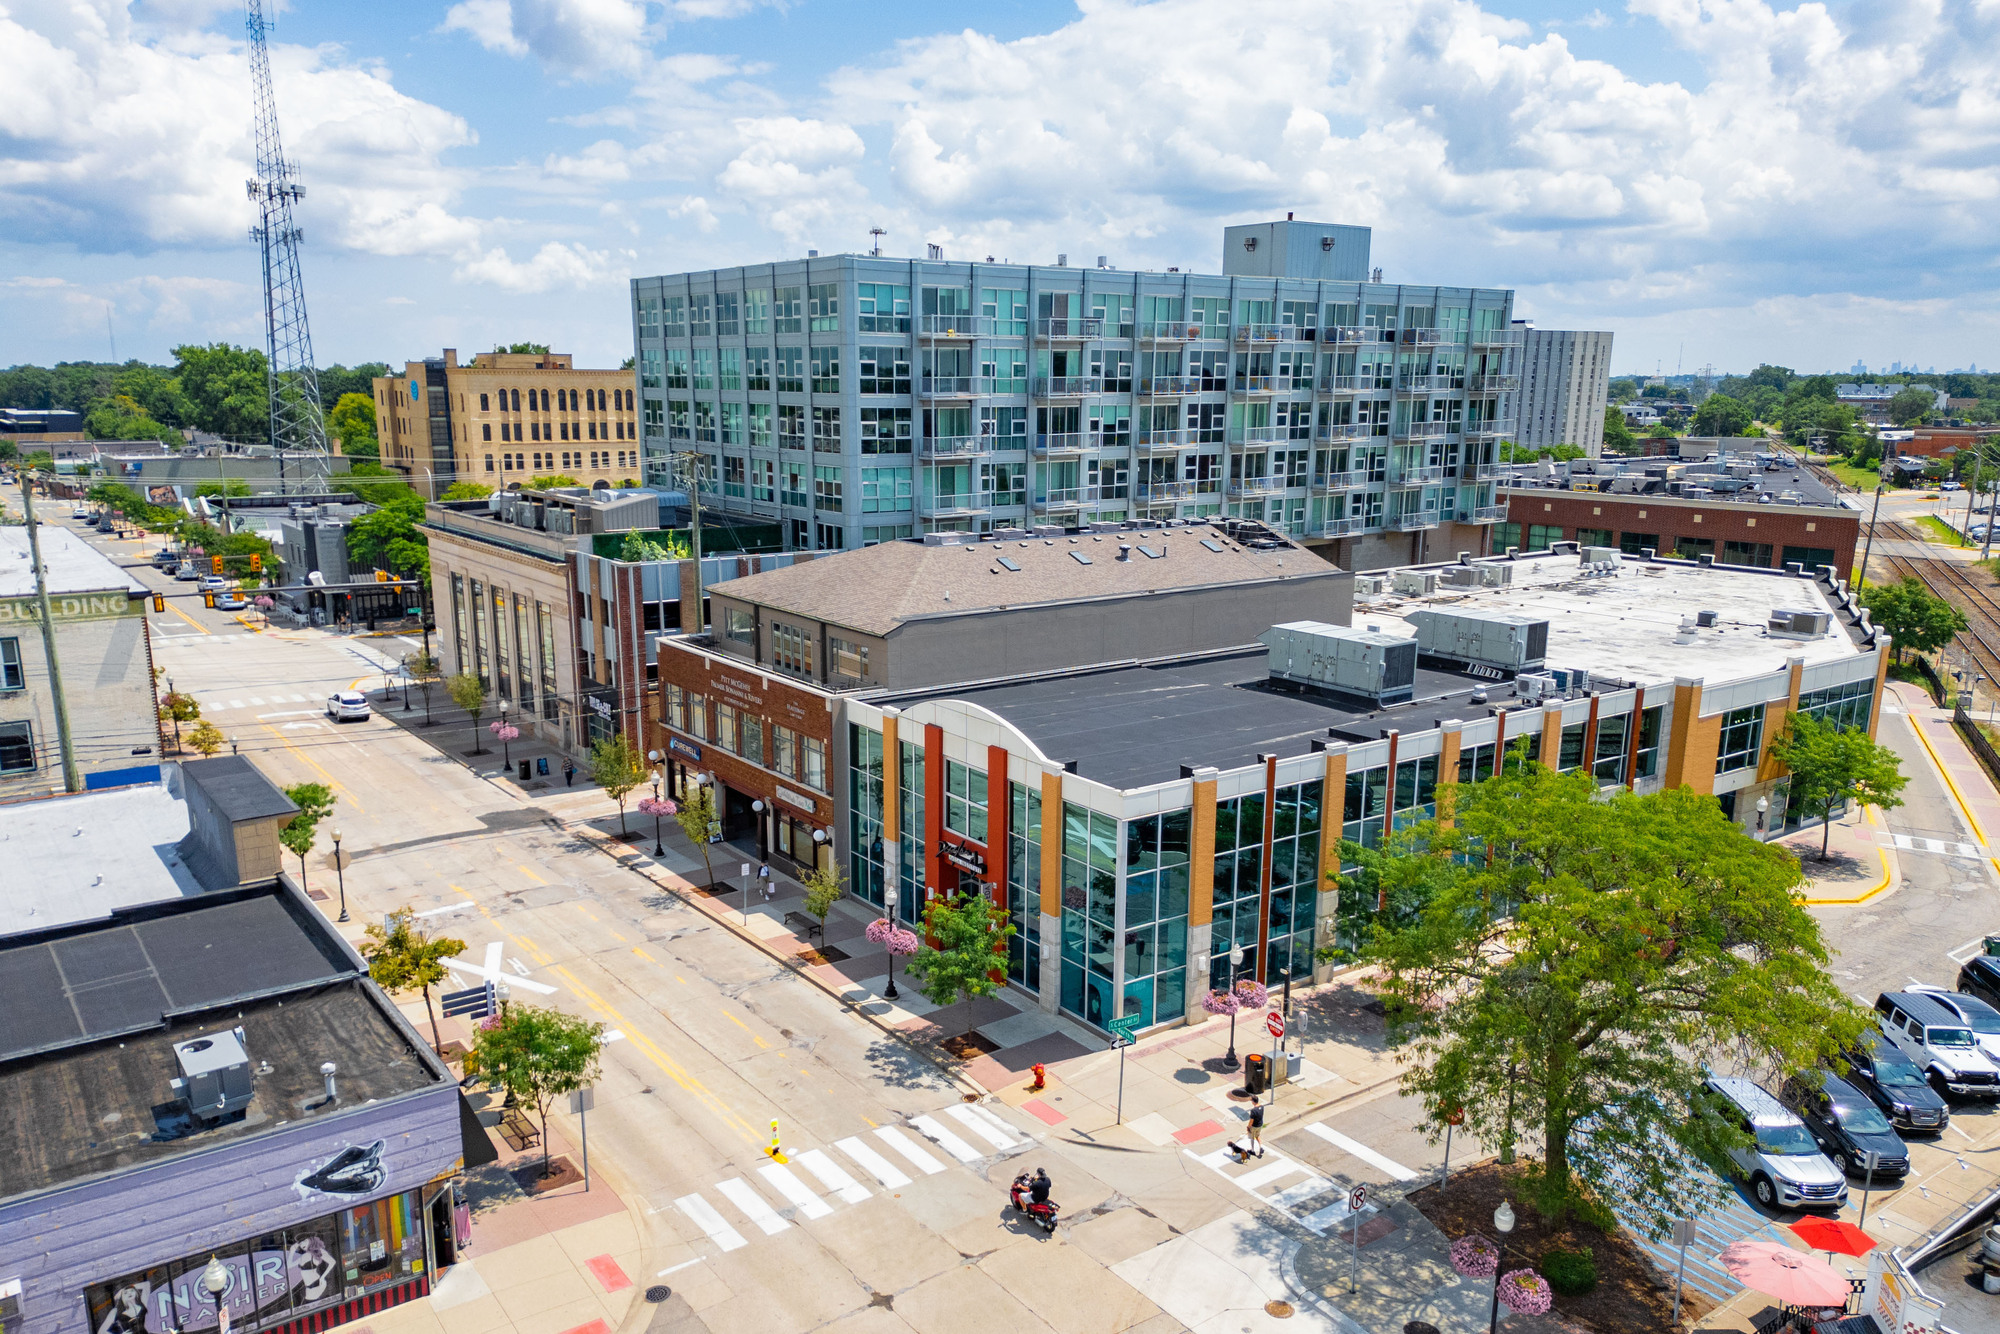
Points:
[(355, 1170)]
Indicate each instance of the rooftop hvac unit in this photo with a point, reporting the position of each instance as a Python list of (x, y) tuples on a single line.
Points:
[(1789, 624), (215, 1075), (1462, 576), (1536, 686), (1367, 585), (1366, 664), (1495, 574), (1418, 583), (1511, 641), (1597, 555)]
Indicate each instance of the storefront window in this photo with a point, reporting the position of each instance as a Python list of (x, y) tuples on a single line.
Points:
[(1156, 904), (1295, 826), (910, 819), (1024, 886), (1608, 757), (864, 803), (1090, 911), (965, 800)]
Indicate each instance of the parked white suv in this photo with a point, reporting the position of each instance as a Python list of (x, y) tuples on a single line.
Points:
[(347, 704), (1939, 1040), (1783, 1164)]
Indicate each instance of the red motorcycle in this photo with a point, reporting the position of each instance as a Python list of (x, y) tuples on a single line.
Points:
[(1042, 1213)]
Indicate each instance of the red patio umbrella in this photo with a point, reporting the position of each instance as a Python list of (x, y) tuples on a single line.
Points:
[(1834, 1234)]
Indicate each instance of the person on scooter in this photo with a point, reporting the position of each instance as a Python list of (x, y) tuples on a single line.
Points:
[(1015, 1191), (1039, 1189)]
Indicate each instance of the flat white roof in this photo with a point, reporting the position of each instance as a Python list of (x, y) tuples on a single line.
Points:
[(1623, 625), (76, 858), (74, 565)]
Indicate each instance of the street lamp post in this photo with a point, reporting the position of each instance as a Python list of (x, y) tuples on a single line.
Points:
[(214, 1280), (1503, 1223), (763, 841), (1763, 809), (1229, 1061), (506, 741), (340, 869), (889, 898)]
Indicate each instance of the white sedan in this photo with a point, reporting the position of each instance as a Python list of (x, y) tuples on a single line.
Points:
[(347, 705)]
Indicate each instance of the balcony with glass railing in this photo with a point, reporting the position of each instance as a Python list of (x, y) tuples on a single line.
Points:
[(1163, 492), (956, 503), (1497, 338), (1350, 333), (1489, 429), (1350, 479), (1483, 514), (956, 446), (1258, 486), (1256, 384), (1068, 386), (956, 326), (1416, 383), (1168, 331), (1415, 474), (1410, 521), (1332, 432), (1493, 384), (1345, 384), (1346, 527), (1422, 337), (1163, 441), (946, 386), (1260, 435), (1275, 333), (1481, 472), (1422, 430), (1168, 386), (1002, 384), (1074, 497), (1056, 446), (1073, 328)]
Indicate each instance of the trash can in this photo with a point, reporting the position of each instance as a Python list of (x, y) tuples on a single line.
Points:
[(1255, 1077), (524, 770), (1294, 1063), (1993, 945)]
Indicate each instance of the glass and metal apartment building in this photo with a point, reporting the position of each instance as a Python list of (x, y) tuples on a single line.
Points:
[(858, 398)]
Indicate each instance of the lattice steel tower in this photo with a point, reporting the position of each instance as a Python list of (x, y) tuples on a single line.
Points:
[(292, 382)]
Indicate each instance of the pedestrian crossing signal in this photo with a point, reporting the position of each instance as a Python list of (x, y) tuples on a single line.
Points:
[(216, 563)]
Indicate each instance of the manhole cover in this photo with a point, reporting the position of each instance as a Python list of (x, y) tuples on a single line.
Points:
[(1278, 1309), (658, 1293)]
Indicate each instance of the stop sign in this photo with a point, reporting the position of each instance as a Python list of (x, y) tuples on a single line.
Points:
[(1275, 1022)]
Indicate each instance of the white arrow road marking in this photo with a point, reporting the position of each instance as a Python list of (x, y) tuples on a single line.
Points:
[(491, 971)]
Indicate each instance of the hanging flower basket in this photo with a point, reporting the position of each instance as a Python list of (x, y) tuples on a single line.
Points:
[(1474, 1256), (1220, 1002), (1251, 994), (891, 937), (1525, 1292)]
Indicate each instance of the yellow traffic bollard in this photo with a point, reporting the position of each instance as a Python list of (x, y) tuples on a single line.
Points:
[(777, 1152)]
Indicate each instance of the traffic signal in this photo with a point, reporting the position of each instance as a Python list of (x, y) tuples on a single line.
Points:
[(381, 576), (216, 562), (256, 561), (208, 599), (159, 602)]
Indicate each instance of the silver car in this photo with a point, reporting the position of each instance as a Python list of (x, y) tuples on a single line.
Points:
[(347, 705), (1784, 1167)]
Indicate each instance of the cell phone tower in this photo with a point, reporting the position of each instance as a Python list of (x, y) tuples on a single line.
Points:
[(292, 383)]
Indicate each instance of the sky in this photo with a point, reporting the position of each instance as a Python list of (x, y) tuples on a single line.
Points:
[(1718, 182)]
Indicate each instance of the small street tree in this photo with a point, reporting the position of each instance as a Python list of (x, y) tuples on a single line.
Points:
[(1915, 617), (696, 817), (1832, 764), (617, 767), (469, 693), (424, 672), (314, 801), (178, 707), (207, 738), (824, 887), (971, 932), (402, 955), (537, 1055), (1580, 962)]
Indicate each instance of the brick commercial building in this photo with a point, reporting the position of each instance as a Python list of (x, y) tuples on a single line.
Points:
[(504, 418)]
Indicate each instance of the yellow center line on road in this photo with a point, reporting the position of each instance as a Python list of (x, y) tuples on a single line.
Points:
[(642, 954), (746, 1028), (184, 616), (531, 875), (673, 1069), (333, 783)]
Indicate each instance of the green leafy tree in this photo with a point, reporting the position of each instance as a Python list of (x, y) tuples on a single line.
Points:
[(225, 388), (1622, 390), (532, 349), (337, 382), (9, 451), (638, 547), (232, 487), (1719, 414), (466, 491), (695, 814), (207, 738), (1909, 405), (971, 933), (40, 461), (120, 417), (315, 802), (469, 693), (424, 672), (376, 484), (388, 538), (177, 707), (1582, 959), (1914, 617), (1832, 764), (537, 1055), (402, 955), (617, 767), (351, 420), (824, 887), (549, 481)]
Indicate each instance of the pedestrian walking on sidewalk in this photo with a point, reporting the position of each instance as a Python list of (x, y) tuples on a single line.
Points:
[(569, 772), (1257, 1129), (770, 885)]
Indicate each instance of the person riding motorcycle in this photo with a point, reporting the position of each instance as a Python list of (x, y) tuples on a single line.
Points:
[(1039, 1188)]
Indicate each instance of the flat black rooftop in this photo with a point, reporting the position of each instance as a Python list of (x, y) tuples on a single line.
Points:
[(1137, 725), (105, 1106), (238, 788), (71, 984)]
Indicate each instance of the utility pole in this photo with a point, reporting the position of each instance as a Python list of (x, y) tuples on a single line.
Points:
[(1868, 547), (687, 471), (72, 780)]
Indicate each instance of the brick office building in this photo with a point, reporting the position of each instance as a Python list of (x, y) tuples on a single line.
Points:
[(1733, 532)]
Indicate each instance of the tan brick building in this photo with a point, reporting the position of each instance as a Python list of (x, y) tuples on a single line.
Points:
[(504, 418)]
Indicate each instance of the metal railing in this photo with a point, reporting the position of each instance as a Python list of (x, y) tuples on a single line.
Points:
[(1497, 338), (1160, 491), (1168, 331), (956, 326), (1066, 327), (1067, 386), (1071, 497), (1493, 384), (1415, 474), (1414, 384), (1260, 435), (1068, 442), (946, 386), (1490, 429), (955, 446), (1164, 440), (1346, 431), (1003, 384), (1350, 333), (1410, 523), (1350, 480), (1163, 386), (1484, 514), (1344, 384), (1422, 430), (967, 502), (1275, 333), (1258, 486), (1256, 384), (1343, 527), (1481, 472), (1421, 337)]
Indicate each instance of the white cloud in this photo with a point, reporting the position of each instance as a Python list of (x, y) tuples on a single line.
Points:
[(578, 39), (555, 265)]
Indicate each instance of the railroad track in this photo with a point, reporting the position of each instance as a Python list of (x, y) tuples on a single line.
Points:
[(1972, 592)]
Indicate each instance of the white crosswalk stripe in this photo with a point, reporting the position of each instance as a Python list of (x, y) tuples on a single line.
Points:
[(832, 1176), (906, 1146), (739, 1193), (873, 1163), (1362, 1151), (708, 1220), (983, 1124), (933, 1129), (1955, 848), (1312, 1186), (793, 1189)]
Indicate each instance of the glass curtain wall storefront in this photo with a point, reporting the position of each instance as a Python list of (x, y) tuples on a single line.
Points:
[(1090, 912), (864, 804), (1024, 886), (1156, 913)]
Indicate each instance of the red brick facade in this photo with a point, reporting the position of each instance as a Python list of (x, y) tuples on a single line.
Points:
[(1668, 524)]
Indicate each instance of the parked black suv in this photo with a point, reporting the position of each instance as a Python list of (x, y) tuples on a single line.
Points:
[(1894, 1083), (1847, 1125), (1981, 977)]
